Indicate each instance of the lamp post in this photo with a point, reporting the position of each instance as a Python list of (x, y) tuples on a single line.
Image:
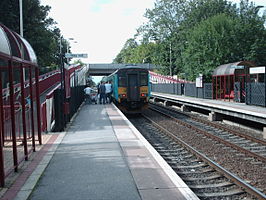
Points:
[(170, 59), (68, 42), (60, 116), (20, 18), (61, 62), (21, 34)]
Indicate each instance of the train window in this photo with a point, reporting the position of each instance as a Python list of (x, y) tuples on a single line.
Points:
[(143, 79), (122, 81)]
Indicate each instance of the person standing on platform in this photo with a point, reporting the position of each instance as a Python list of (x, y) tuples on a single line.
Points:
[(102, 91), (87, 92), (108, 88)]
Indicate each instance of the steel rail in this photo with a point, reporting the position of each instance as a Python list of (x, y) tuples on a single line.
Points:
[(261, 158), (230, 130), (235, 132), (245, 186)]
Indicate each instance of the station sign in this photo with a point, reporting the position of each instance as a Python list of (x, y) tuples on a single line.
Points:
[(199, 81), (238, 66), (257, 70), (73, 55)]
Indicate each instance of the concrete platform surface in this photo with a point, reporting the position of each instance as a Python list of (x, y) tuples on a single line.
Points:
[(101, 156)]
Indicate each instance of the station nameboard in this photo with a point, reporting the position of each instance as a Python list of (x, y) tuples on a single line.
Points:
[(238, 66), (199, 81), (257, 70), (72, 55)]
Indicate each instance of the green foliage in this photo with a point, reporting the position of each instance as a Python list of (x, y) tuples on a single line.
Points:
[(39, 30), (210, 44), (196, 36), (79, 62), (126, 53)]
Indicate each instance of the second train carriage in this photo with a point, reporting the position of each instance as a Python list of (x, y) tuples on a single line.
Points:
[(131, 88)]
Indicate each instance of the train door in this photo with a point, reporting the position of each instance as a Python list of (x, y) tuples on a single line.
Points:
[(133, 89)]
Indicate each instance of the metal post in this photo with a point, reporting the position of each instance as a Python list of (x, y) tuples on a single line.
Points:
[(62, 71), (216, 86), (20, 18), (265, 89), (25, 144), (171, 73), (2, 166), (68, 59), (67, 51), (61, 62), (38, 105), (13, 123), (32, 110), (2, 123), (21, 31)]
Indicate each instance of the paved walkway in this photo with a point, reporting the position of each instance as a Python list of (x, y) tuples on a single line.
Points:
[(88, 161), (101, 156)]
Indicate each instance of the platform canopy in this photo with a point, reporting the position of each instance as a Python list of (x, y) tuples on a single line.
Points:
[(13, 46), (229, 69)]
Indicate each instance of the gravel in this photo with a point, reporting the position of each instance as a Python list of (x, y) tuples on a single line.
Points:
[(245, 167)]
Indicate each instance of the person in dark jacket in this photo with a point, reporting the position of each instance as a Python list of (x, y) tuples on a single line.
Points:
[(102, 90)]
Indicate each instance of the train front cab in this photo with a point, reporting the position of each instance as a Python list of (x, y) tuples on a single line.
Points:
[(133, 89)]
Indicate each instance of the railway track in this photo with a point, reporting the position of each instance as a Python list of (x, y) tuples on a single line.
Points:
[(241, 142), (205, 177)]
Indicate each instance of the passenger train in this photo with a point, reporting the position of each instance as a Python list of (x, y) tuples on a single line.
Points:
[(131, 88)]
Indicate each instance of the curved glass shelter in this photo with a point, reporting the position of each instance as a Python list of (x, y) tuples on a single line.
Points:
[(229, 81), (19, 99)]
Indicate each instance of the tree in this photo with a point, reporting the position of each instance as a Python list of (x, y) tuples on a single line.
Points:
[(125, 54), (164, 19), (196, 36), (252, 33), (39, 30), (210, 44)]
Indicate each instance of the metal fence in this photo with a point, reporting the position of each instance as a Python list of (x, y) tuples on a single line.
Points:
[(255, 94), (66, 108), (251, 94), (187, 89)]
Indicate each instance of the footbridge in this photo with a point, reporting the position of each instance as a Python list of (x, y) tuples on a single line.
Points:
[(106, 69)]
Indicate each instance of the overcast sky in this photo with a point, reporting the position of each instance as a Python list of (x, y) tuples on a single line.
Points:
[(101, 27)]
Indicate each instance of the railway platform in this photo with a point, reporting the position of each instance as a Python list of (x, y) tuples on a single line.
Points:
[(100, 156), (217, 109)]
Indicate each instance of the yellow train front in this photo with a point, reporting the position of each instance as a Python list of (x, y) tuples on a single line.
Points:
[(131, 88)]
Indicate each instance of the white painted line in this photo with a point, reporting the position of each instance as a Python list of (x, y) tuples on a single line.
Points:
[(177, 181)]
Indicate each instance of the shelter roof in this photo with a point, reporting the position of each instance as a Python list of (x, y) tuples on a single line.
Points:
[(229, 69), (15, 46)]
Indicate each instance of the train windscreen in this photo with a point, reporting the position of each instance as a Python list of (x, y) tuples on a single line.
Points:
[(143, 79), (122, 82)]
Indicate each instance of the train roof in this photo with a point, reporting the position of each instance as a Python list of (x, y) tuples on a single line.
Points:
[(131, 67)]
